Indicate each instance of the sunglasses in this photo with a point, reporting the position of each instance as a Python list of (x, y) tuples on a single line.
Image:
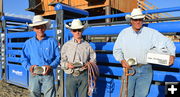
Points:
[(39, 27), (77, 30)]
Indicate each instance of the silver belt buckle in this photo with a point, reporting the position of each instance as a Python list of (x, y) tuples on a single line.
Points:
[(76, 73), (39, 70), (78, 64)]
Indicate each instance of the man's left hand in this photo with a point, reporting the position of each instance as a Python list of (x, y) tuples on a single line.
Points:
[(171, 61), (47, 70)]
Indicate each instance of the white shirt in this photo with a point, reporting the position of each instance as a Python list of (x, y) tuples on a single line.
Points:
[(131, 44)]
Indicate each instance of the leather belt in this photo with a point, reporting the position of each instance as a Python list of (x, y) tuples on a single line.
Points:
[(139, 65), (77, 72)]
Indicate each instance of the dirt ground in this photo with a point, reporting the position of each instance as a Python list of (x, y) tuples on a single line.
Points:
[(9, 90)]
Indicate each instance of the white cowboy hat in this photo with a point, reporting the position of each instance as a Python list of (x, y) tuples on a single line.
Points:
[(135, 14), (76, 24), (38, 20)]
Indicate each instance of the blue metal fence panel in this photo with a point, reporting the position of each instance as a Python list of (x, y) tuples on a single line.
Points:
[(29, 34), (108, 87), (17, 75), (124, 14), (110, 70), (15, 45), (166, 76), (109, 58), (108, 46), (157, 91), (16, 19), (162, 76), (164, 27)]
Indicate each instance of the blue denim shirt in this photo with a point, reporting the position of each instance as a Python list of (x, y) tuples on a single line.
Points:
[(40, 52), (131, 44)]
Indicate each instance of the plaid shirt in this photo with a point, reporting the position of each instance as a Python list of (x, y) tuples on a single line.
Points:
[(72, 52)]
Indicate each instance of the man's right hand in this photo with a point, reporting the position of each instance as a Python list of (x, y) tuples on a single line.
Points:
[(125, 64), (32, 69)]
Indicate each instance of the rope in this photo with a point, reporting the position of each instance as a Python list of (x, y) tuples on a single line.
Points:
[(93, 73)]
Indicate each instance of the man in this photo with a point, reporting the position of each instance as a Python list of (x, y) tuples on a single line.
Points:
[(135, 42), (40, 56), (76, 55)]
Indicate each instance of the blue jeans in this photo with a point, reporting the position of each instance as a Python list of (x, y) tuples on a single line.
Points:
[(139, 83), (77, 85), (39, 83)]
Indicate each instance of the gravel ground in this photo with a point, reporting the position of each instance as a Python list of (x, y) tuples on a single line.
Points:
[(9, 90)]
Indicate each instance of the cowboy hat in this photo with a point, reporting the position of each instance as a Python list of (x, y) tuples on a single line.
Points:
[(76, 24), (38, 20), (135, 14)]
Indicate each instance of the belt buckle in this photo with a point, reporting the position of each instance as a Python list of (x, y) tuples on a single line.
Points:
[(76, 73), (39, 70)]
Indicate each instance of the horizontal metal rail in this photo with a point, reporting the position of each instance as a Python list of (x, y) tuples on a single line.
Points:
[(124, 14), (9, 18), (126, 22)]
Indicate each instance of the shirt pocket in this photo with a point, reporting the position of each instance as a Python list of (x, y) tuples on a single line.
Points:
[(48, 53)]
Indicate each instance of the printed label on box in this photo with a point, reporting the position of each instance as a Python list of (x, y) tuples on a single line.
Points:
[(160, 59)]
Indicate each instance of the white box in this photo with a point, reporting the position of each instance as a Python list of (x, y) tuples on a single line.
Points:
[(155, 58)]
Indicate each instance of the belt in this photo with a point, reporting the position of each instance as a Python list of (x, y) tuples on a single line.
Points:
[(77, 72), (139, 65)]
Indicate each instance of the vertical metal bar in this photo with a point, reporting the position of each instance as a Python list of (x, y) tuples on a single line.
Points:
[(6, 62), (108, 20), (108, 11), (60, 36), (4, 43)]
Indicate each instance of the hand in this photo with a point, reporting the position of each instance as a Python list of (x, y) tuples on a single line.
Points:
[(125, 64), (31, 69), (86, 66), (70, 65), (48, 69), (171, 61)]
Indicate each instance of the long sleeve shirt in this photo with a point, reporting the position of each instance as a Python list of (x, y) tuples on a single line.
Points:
[(72, 52), (131, 44), (40, 52)]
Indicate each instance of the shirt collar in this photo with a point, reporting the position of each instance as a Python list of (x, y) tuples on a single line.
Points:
[(42, 39), (138, 32), (75, 41)]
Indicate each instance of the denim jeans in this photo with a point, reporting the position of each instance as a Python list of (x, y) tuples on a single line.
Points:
[(139, 83), (77, 85), (39, 83)]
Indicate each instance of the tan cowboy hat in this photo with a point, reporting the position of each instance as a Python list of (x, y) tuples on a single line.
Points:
[(76, 24), (38, 20), (135, 14)]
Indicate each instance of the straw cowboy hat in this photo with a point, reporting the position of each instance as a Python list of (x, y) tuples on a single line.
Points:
[(38, 20), (135, 14), (76, 24)]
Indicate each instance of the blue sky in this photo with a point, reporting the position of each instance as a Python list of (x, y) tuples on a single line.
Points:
[(167, 4), (17, 7)]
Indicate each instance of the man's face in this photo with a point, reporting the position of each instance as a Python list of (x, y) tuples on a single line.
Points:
[(136, 24), (77, 33), (39, 30)]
